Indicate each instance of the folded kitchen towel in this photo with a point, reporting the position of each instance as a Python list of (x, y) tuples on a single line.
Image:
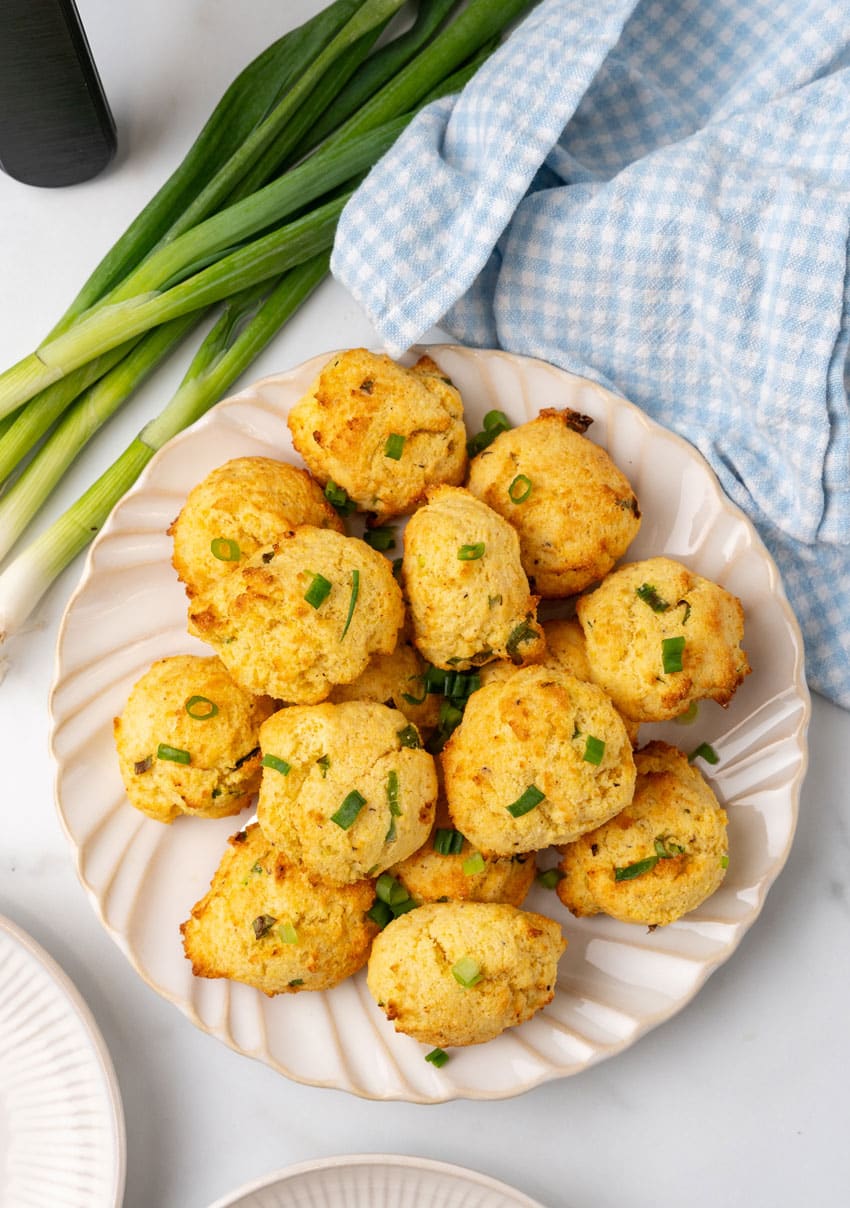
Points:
[(655, 195)]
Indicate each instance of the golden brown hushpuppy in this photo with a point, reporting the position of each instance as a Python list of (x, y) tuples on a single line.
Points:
[(468, 594), (346, 789), (188, 740), (275, 926), (395, 679), (302, 615), (238, 508), (575, 512), (659, 637), (537, 760), (382, 432), (447, 867), (457, 973), (661, 857)]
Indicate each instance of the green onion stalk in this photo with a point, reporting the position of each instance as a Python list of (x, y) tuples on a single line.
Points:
[(245, 222), (245, 327)]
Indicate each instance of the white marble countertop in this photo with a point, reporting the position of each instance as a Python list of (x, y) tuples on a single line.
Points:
[(738, 1100)]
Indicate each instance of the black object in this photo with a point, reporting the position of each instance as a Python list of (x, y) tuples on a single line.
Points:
[(55, 124)]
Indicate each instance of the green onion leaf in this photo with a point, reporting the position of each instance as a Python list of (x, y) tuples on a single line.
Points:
[(437, 1057), (262, 925), (143, 765), (324, 762), (447, 841), (520, 489), (381, 538), (318, 591), (650, 596), (467, 972), (666, 849), (594, 750), (473, 865), (724, 861), (687, 613), (296, 981), (276, 764), (172, 754), (288, 933), (471, 553), (352, 602), (201, 708), (338, 498), (704, 751), (400, 908), (494, 423), (409, 737), (390, 890), (397, 562), (689, 716), (524, 632), (635, 870), (224, 549), (392, 794), (394, 446), (527, 802), (671, 653), (549, 877), (380, 913), (351, 806)]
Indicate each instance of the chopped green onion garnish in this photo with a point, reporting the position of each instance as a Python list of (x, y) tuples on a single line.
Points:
[(524, 632), (467, 972), (288, 933), (704, 751), (450, 716), (665, 849), (687, 612), (416, 700), (262, 925), (671, 653), (494, 423), (527, 802), (339, 499), (650, 596), (382, 538), (397, 563), (394, 446), (379, 913), (409, 737), (143, 765), (389, 837), (172, 754), (724, 861), (201, 708), (549, 877), (520, 489), (447, 842), (352, 601), (318, 591), (689, 716), (635, 870), (348, 811), (296, 981), (390, 890), (594, 749), (471, 553), (473, 865), (437, 1057), (224, 549), (392, 794), (324, 762), (403, 907), (276, 764)]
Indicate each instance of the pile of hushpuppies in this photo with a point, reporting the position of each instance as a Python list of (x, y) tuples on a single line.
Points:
[(415, 733)]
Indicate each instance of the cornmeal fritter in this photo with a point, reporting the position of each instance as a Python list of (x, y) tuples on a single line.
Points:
[(346, 790), (574, 510), (188, 740), (302, 615), (275, 926), (458, 973), (447, 867), (658, 859), (659, 637), (537, 760), (382, 432), (240, 507), (468, 594), (395, 679)]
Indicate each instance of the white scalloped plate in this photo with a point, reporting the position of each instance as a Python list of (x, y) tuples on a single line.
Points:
[(61, 1122), (371, 1180), (615, 980)]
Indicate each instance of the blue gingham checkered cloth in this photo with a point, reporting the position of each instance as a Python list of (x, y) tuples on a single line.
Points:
[(655, 195)]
